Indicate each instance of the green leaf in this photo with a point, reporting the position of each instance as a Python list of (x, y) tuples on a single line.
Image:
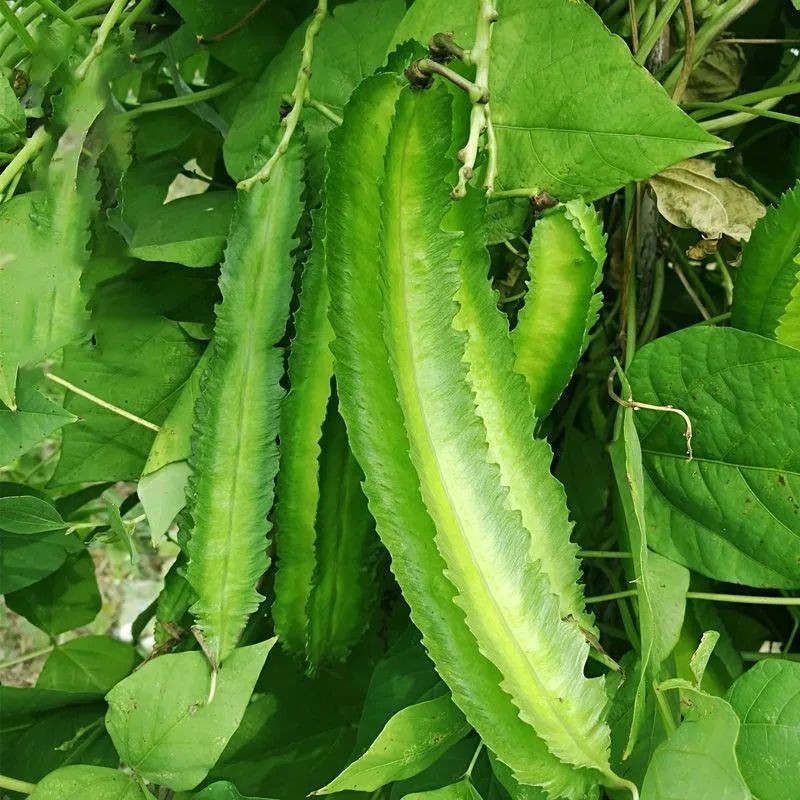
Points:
[(668, 584), (162, 722), (701, 656), (139, 362), (17, 701), (732, 512), (234, 456), (163, 494), (28, 514), (411, 741), (350, 46), (376, 428), (35, 418), (88, 783), (28, 558), (12, 117), (64, 600), (462, 790), (626, 460), (222, 790), (88, 664), (404, 677), (190, 230), (769, 276), (45, 235), (582, 118), (252, 45), (767, 701), (699, 759), (567, 254)]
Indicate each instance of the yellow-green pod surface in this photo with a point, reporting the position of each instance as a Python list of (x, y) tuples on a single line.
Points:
[(234, 455), (567, 253)]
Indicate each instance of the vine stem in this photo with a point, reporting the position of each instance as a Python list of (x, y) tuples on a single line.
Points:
[(134, 15), (649, 40), (55, 10), (688, 53), (17, 26), (102, 403), (110, 20), (12, 784), (713, 597), (299, 96), (184, 99), (480, 119), (26, 657), (235, 28), (319, 107), (26, 153)]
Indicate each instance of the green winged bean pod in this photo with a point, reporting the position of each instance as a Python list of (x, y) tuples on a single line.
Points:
[(324, 534), (377, 435), (567, 253), (507, 599), (234, 449)]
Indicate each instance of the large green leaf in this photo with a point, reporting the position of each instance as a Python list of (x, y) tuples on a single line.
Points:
[(699, 759), (190, 230), (26, 558), (377, 434), (64, 600), (163, 723), (35, 418), (88, 664), (764, 298), (350, 46), (140, 361), (411, 741), (573, 113), (234, 456), (732, 512), (767, 701), (88, 783), (12, 117)]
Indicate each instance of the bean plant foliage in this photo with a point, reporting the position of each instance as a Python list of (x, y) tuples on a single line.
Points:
[(443, 357)]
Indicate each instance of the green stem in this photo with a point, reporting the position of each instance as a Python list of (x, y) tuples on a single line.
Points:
[(751, 655), (770, 93), (26, 153), (149, 19), (664, 710), (651, 320), (650, 38), (49, 7), (732, 120), (133, 17), (319, 107), (713, 320), (110, 20), (12, 784), (17, 26), (184, 99), (727, 281), (473, 761), (102, 403), (604, 554), (746, 599), (504, 194), (299, 96), (26, 657)]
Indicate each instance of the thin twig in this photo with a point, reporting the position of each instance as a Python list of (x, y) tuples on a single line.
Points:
[(235, 28), (688, 52), (480, 117), (635, 405), (103, 403), (299, 95), (691, 292)]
